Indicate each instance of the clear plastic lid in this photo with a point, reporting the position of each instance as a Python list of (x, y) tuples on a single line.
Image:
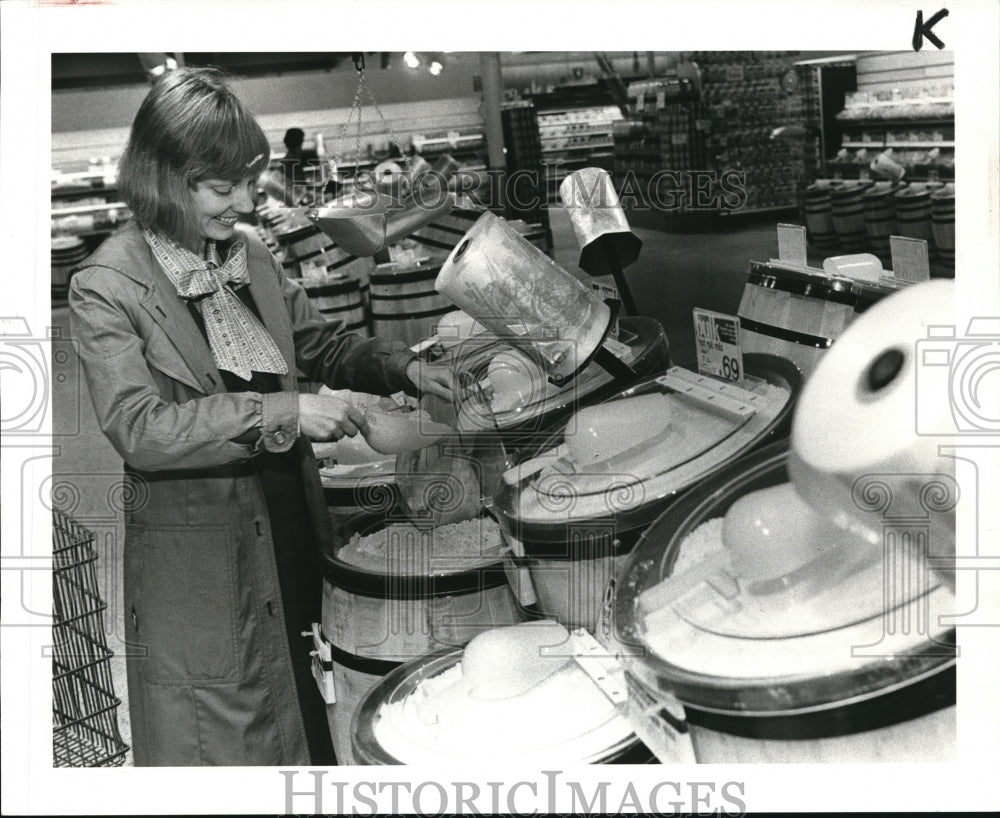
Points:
[(643, 445), (426, 712), (743, 599)]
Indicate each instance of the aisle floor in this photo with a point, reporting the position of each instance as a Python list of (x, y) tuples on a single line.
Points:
[(673, 274)]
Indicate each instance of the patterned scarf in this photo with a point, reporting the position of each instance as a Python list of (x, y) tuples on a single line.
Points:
[(239, 341)]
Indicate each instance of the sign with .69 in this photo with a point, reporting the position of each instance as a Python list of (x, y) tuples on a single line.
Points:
[(717, 337)]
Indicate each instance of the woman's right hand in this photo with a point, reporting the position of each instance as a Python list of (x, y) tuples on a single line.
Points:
[(322, 417)]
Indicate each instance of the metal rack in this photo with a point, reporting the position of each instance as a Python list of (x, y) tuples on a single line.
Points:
[(84, 706)]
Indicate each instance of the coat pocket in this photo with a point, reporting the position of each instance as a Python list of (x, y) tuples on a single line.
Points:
[(182, 603)]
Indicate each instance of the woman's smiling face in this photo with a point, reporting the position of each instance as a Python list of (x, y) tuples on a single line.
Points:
[(216, 204)]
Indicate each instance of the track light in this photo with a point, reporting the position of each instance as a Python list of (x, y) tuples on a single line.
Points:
[(435, 61)]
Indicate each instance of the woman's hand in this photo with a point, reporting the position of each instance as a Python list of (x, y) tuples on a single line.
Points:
[(322, 417), (430, 379)]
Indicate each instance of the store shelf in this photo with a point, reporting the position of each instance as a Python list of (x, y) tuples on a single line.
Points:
[(588, 147), (66, 192), (590, 132), (881, 145), (873, 123)]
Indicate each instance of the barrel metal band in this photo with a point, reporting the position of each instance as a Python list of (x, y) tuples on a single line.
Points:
[(413, 586), (927, 696), (807, 288), (782, 334), (362, 664), (407, 277), (406, 316)]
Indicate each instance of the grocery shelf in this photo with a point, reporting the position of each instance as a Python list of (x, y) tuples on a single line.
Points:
[(881, 145), (587, 147)]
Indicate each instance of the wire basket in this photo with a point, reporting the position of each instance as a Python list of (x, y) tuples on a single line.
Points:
[(84, 706)]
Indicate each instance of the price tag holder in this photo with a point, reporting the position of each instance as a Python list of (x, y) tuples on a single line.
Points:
[(718, 345), (792, 243), (909, 259), (608, 292)]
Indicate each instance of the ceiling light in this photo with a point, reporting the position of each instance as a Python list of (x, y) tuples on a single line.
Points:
[(411, 59)]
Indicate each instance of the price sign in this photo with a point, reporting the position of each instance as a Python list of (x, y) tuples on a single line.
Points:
[(909, 258), (792, 243), (718, 344)]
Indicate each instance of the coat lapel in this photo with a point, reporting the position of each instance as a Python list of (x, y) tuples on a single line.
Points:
[(171, 312)]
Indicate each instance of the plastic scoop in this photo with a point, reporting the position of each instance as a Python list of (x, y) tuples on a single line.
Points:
[(395, 433), (502, 663)]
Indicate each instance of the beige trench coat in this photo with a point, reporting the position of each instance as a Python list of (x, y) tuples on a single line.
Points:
[(211, 681)]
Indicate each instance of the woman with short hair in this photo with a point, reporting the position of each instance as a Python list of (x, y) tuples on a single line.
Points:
[(190, 336)]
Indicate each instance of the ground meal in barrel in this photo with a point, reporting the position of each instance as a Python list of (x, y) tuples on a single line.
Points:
[(402, 548)]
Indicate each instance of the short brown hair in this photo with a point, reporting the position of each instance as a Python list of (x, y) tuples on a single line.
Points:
[(190, 127)]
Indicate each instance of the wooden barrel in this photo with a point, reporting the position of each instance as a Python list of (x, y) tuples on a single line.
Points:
[(67, 252), (404, 304), (847, 204), (913, 212), (445, 232), (378, 616), (943, 223), (819, 217), (340, 299), (304, 250), (793, 314), (880, 217), (823, 689)]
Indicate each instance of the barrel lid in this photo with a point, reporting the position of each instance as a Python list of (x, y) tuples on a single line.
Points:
[(946, 192), (63, 243), (852, 187), (622, 459), (796, 280), (564, 719), (880, 189), (767, 609), (528, 400)]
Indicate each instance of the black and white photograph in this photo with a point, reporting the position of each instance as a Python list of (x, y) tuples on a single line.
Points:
[(595, 409)]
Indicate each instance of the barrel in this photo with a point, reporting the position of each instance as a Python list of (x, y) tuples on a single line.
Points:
[(388, 604), (404, 304), (305, 251), (847, 204), (819, 217), (913, 212), (943, 223), (339, 299), (572, 529), (67, 252), (446, 231), (784, 687), (794, 314), (564, 719), (880, 217)]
